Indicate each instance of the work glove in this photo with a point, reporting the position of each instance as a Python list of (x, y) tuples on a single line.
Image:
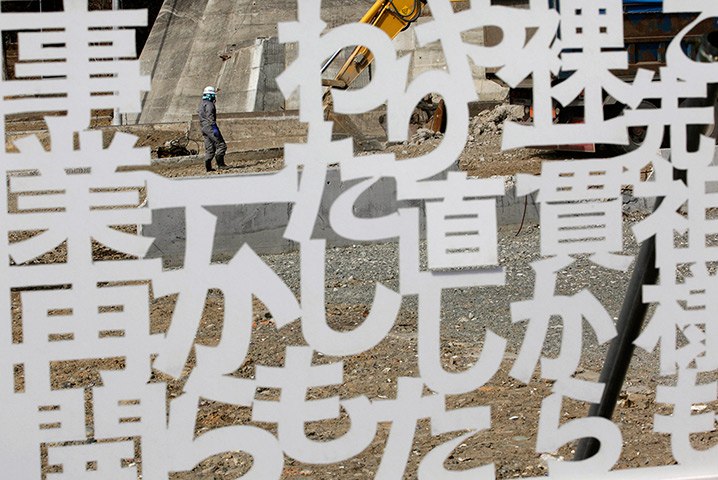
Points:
[(216, 131)]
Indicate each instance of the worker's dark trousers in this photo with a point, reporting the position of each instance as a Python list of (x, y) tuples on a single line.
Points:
[(214, 145)]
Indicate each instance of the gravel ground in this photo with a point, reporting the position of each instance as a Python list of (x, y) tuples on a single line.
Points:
[(351, 275), (515, 407), (353, 271)]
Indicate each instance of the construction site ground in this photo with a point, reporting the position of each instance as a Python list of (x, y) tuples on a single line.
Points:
[(352, 273), (481, 157)]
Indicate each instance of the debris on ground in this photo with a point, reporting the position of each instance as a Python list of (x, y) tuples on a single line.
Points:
[(175, 148), (424, 134), (515, 407), (492, 121)]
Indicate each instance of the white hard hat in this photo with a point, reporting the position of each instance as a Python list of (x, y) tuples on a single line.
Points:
[(209, 90)]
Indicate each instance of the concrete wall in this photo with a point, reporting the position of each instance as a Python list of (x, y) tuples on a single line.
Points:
[(431, 57), (232, 45), (274, 61), (190, 38), (253, 131), (262, 225)]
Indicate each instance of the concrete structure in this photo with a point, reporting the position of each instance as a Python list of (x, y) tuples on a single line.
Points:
[(252, 131), (232, 44), (262, 225)]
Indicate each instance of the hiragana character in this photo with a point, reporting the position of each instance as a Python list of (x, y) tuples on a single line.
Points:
[(292, 410), (684, 422), (572, 311)]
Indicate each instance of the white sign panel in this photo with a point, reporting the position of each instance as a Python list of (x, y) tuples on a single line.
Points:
[(133, 423)]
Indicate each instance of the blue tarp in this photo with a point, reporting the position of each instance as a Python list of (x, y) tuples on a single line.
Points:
[(643, 10), (633, 6), (642, 6)]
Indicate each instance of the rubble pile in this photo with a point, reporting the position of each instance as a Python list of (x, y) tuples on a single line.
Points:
[(492, 121), (488, 122), (424, 134)]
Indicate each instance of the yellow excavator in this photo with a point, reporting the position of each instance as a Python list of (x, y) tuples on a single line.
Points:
[(391, 16)]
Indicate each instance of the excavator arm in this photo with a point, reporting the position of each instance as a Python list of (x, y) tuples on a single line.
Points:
[(392, 17)]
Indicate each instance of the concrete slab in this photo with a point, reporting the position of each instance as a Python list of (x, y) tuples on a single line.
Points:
[(262, 225), (232, 158), (255, 131)]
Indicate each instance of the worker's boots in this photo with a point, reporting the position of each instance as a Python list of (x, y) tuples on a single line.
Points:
[(208, 165), (220, 163)]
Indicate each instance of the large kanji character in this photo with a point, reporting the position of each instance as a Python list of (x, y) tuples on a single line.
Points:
[(77, 195), (461, 228), (84, 70), (64, 325), (687, 303), (581, 209), (591, 34)]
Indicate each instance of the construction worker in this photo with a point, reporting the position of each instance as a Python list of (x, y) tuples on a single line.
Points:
[(213, 141)]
